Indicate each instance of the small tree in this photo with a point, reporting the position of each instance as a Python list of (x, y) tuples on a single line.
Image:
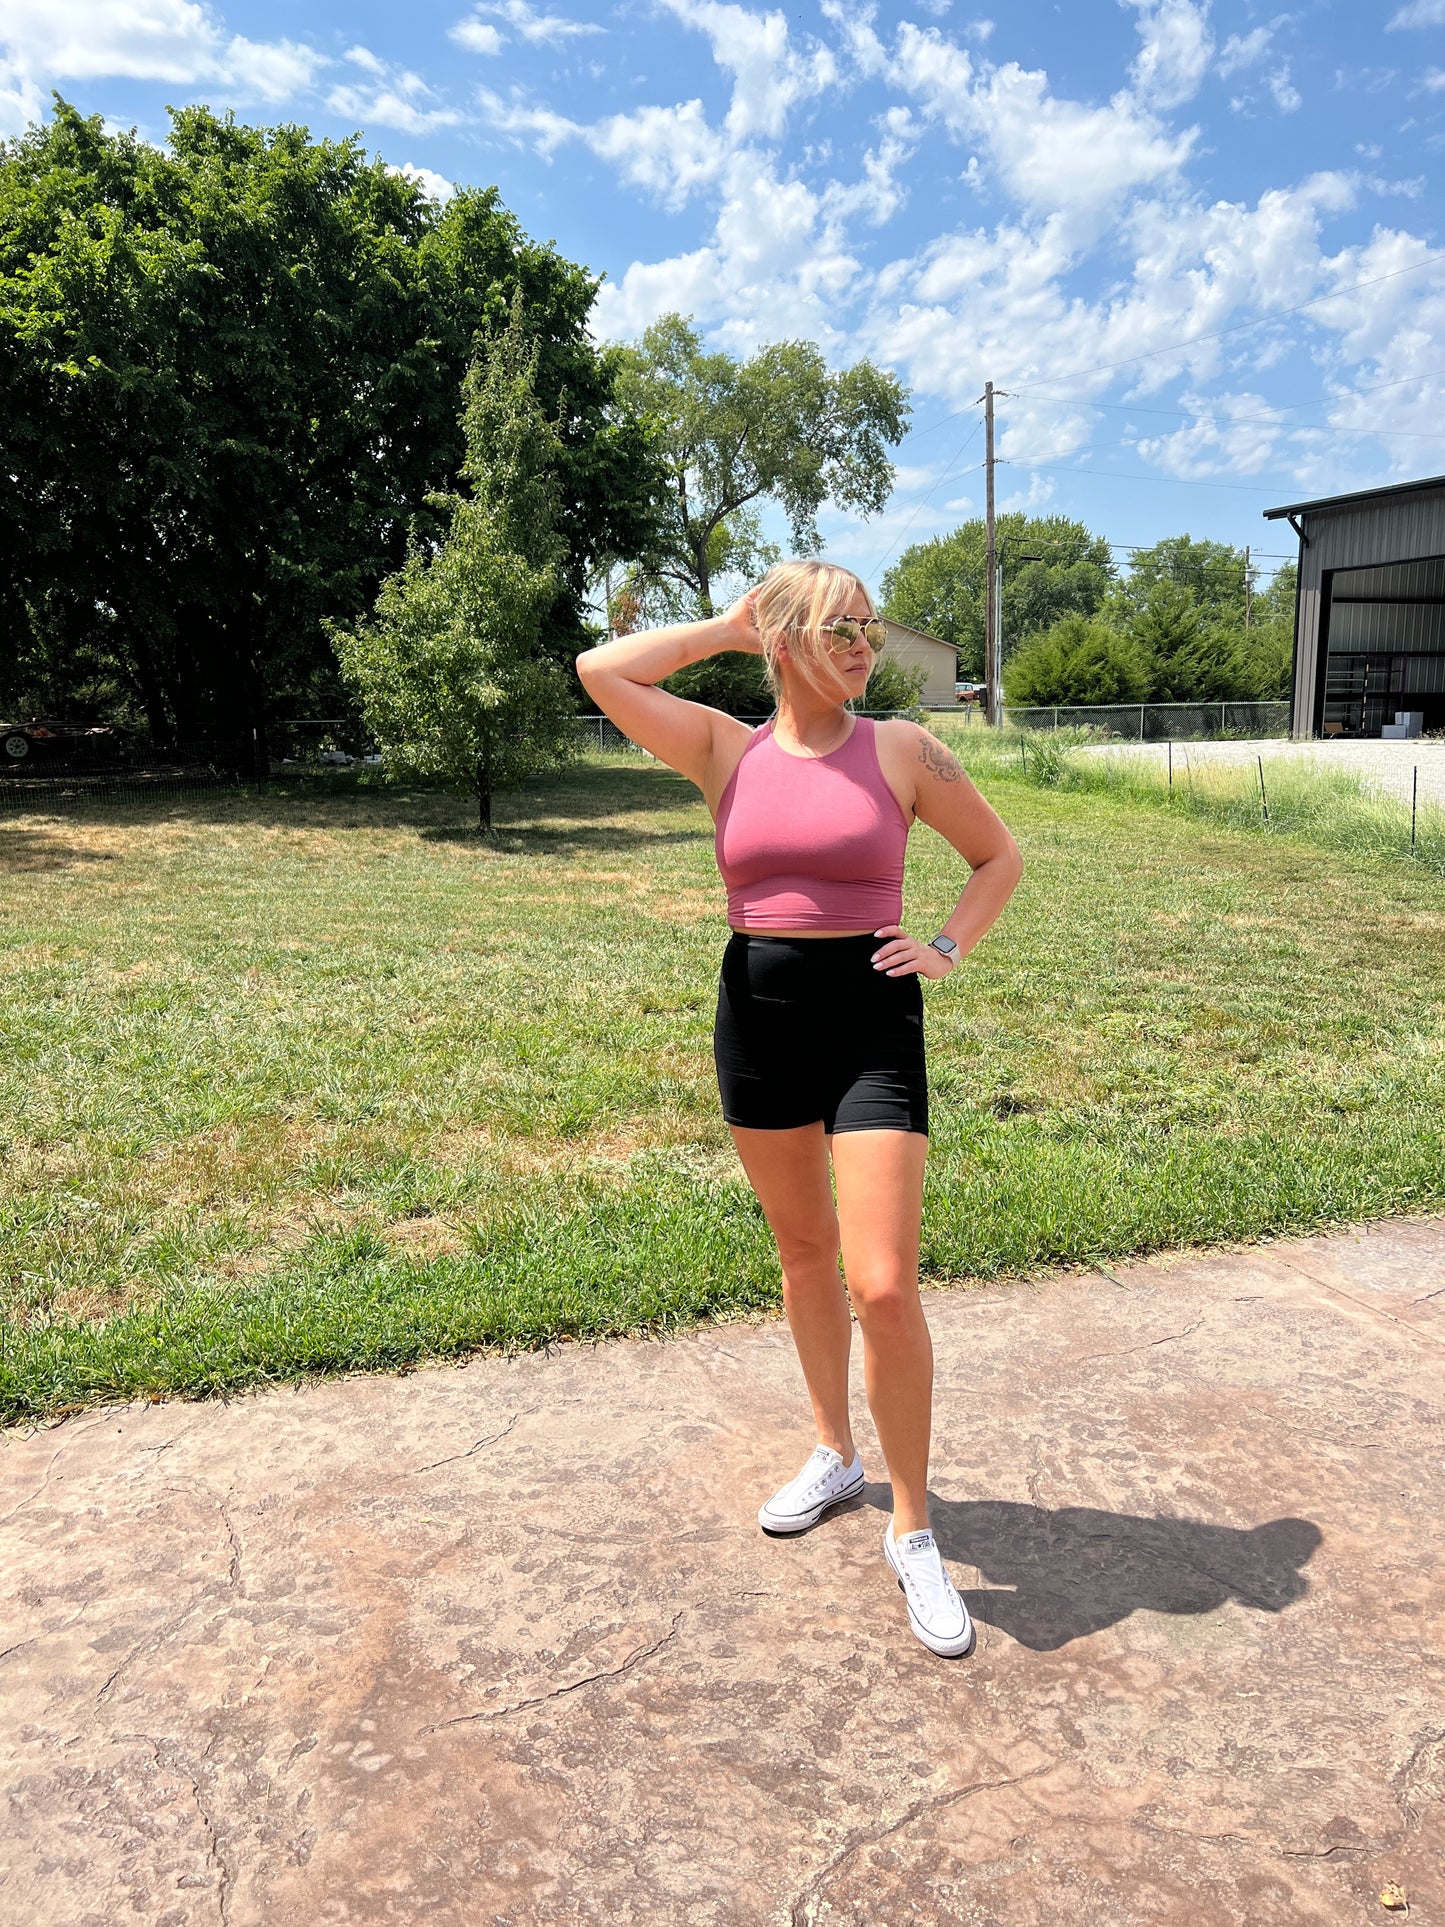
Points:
[(451, 671)]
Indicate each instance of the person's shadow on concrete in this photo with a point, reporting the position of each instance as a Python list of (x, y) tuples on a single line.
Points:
[(1056, 1576)]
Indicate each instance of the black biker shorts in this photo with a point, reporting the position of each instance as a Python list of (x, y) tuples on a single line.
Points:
[(807, 1029)]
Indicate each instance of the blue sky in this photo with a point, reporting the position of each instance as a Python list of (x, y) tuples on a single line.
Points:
[(1102, 207)]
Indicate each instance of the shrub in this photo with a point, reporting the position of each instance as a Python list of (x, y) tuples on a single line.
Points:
[(1078, 660)]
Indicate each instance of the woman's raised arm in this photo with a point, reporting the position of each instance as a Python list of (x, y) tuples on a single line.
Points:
[(621, 678)]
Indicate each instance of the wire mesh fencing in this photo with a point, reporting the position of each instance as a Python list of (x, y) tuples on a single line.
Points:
[(41, 771), (1157, 722), (601, 733)]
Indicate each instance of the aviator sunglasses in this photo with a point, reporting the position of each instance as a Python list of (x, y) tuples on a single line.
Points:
[(842, 632)]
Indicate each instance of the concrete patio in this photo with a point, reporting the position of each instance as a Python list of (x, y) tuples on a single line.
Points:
[(503, 1643)]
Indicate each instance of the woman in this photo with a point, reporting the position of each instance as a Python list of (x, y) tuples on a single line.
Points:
[(819, 1035)]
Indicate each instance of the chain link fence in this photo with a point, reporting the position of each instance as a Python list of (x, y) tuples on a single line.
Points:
[(1158, 722), (600, 732), (46, 772)]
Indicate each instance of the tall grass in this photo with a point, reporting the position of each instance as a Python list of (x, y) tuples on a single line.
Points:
[(1288, 796)]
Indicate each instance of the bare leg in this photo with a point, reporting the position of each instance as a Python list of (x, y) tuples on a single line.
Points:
[(880, 1208), (789, 1172)]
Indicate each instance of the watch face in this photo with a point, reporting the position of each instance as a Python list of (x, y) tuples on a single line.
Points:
[(945, 944)]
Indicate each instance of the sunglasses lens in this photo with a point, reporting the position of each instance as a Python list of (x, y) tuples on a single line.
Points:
[(876, 631), (844, 632)]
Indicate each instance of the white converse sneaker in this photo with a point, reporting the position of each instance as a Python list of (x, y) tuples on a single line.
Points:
[(824, 1481), (935, 1612)]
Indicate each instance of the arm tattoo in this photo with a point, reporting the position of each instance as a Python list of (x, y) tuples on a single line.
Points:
[(939, 761)]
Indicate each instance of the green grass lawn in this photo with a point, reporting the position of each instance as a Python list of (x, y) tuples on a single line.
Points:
[(315, 1082)]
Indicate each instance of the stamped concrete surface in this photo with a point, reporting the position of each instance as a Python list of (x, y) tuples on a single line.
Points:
[(503, 1643)]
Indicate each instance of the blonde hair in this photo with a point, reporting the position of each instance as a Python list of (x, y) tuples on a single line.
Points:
[(792, 601)]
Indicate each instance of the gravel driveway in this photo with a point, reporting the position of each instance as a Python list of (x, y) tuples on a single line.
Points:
[(1387, 767)]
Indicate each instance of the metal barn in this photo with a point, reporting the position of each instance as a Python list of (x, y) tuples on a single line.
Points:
[(1369, 642)]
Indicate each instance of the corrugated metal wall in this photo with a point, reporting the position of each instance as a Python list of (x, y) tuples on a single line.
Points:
[(1367, 537)]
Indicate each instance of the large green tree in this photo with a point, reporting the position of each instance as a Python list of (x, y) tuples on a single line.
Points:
[(939, 586), (452, 671), (1210, 573), (779, 427), (230, 373)]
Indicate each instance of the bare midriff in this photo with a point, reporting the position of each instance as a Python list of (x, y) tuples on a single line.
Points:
[(801, 933)]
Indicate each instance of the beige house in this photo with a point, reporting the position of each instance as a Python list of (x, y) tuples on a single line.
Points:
[(914, 650)]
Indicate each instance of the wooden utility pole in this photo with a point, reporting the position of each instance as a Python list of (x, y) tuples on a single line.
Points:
[(990, 567)]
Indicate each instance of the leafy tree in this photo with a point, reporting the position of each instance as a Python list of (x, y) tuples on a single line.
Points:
[(738, 684), (732, 434), (1078, 660), (451, 672), (939, 586), (1210, 573), (1195, 656), (1268, 643), (230, 372)]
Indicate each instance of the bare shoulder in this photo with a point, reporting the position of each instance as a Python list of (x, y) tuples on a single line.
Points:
[(909, 745)]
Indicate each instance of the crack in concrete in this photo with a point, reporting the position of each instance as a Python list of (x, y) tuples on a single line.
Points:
[(1255, 1843), (213, 1844), (235, 1569), (871, 1836), (17, 1646), (1401, 1781), (1168, 1338), (559, 1692), (148, 1645), (178, 1765), (59, 1452), (1372, 1311), (416, 1471)]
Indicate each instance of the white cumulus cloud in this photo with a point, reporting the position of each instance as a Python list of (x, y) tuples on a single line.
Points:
[(389, 97), (178, 41), (540, 29), (771, 76), (435, 186), (1175, 52), (1419, 13), (1244, 50)]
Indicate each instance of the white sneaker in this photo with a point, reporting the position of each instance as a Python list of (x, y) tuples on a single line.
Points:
[(935, 1612), (824, 1481)]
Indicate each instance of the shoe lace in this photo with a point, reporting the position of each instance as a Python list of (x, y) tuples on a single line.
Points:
[(928, 1583)]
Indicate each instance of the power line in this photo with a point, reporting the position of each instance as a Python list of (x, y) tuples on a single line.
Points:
[(1228, 421), (1239, 327), (918, 506), (1181, 414), (1121, 475)]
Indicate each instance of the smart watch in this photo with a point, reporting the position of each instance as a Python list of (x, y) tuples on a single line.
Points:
[(946, 947)]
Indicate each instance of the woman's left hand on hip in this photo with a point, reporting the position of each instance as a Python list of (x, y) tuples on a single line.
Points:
[(905, 956)]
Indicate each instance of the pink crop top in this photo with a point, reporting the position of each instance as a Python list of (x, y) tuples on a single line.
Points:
[(811, 843)]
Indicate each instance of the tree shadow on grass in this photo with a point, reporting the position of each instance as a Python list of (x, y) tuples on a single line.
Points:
[(22, 849), (1057, 1575), (558, 812)]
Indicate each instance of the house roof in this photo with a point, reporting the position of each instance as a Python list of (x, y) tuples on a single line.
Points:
[(921, 635), (1359, 495)]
